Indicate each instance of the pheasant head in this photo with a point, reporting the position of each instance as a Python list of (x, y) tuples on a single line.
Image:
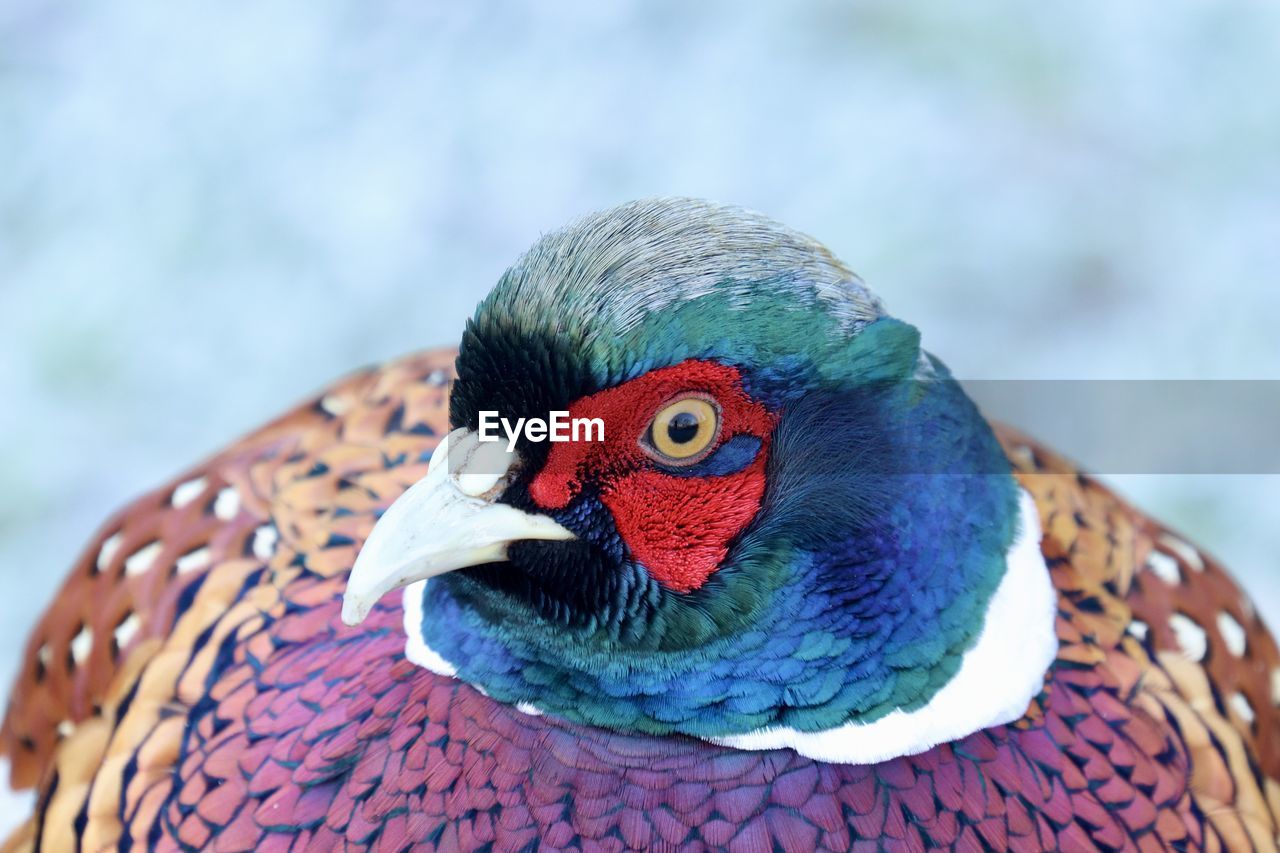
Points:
[(774, 520)]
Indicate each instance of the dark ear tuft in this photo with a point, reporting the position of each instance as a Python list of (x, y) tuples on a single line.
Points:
[(885, 350)]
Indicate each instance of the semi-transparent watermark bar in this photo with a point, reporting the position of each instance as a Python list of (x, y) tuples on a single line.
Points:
[(1124, 426), (1106, 426)]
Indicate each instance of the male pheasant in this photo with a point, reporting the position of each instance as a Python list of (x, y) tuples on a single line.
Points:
[(794, 593)]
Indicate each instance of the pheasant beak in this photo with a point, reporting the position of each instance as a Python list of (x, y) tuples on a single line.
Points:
[(448, 520)]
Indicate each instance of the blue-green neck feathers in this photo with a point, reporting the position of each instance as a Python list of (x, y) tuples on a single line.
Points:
[(882, 535)]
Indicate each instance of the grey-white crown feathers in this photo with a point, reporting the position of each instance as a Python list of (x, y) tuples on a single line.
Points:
[(603, 273)]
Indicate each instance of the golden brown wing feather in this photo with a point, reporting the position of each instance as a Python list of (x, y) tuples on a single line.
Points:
[(1144, 609), (106, 667)]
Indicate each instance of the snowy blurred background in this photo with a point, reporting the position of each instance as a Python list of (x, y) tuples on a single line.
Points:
[(208, 211)]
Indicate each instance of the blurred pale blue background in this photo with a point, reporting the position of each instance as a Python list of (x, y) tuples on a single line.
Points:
[(208, 211)]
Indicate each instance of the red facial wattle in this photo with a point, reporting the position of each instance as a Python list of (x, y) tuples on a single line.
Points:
[(678, 525)]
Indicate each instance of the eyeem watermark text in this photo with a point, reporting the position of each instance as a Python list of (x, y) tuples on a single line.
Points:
[(557, 427)]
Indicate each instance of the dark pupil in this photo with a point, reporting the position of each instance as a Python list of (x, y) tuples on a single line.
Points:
[(682, 427)]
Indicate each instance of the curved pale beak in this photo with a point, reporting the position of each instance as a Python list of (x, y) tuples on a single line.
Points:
[(447, 520)]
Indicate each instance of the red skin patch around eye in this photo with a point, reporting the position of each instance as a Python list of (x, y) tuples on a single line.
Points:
[(679, 528)]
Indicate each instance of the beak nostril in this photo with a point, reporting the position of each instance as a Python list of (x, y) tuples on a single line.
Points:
[(477, 469), (476, 485)]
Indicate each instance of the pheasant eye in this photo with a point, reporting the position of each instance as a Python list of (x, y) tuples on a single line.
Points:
[(683, 430)]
